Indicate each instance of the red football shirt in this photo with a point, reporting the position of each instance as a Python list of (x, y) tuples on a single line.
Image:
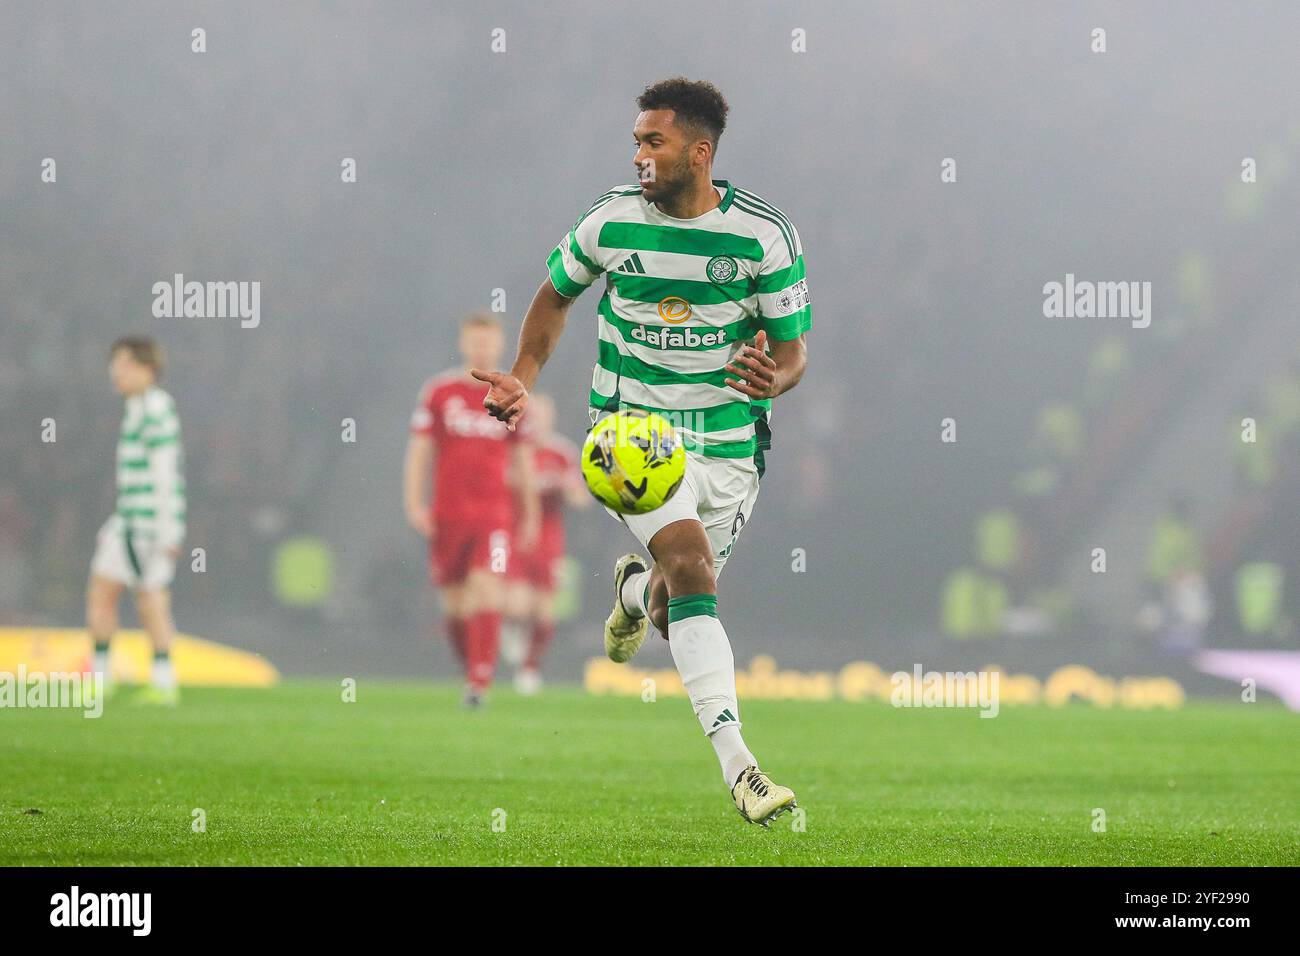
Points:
[(555, 469), (556, 464), (471, 451)]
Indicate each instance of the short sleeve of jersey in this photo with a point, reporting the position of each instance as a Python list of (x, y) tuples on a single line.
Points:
[(784, 307), (422, 418), (573, 264)]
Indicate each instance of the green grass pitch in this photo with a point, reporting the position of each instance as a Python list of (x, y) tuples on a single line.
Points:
[(404, 776)]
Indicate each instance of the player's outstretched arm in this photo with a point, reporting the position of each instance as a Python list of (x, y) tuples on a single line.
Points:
[(543, 326)]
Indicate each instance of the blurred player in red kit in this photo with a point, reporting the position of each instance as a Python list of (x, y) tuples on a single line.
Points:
[(534, 573), (477, 518)]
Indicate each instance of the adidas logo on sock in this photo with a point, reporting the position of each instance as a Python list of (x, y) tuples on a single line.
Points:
[(726, 717), (633, 265)]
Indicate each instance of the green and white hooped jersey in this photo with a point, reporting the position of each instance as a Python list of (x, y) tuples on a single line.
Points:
[(681, 297), (150, 465)]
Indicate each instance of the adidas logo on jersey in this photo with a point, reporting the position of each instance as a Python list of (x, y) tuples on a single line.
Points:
[(633, 265)]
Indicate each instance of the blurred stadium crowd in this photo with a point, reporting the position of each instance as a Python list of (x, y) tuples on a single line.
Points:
[(925, 304)]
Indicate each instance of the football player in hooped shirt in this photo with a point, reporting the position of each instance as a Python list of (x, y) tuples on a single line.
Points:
[(703, 320), (473, 513)]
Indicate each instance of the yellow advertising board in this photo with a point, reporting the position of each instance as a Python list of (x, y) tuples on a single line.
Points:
[(862, 680), (198, 662)]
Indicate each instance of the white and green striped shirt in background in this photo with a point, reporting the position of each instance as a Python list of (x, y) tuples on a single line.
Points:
[(681, 297), (150, 480)]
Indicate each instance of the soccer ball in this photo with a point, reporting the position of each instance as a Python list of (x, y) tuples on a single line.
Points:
[(633, 461)]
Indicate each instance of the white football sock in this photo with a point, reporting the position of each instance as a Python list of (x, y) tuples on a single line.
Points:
[(732, 753), (514, 641), (633, 594), (100, 664), (707, 668), (163, 675)]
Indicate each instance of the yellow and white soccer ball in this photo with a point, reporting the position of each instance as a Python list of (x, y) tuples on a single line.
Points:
[(633, 461)]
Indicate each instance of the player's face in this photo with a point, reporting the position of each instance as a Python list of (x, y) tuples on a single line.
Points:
[(480, 346), (129, 377), (663, 158)]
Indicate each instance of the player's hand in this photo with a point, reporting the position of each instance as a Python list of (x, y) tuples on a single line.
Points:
[(754, 369), (506, 397), (421, 523)]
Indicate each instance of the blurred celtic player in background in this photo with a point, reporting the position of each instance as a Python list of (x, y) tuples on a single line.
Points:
[(702, 320), (137, 547)]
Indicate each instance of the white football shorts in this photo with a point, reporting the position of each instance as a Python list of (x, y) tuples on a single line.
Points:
[(718, 492), (135, 562)]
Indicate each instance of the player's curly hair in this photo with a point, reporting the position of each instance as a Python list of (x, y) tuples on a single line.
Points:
[(698, 104)]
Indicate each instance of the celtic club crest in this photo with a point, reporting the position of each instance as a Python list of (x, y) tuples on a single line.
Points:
[(721, 269)]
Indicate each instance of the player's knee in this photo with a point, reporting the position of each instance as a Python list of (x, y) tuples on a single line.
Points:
[(453, 601), (484, 591), (517, 601), (688, 572), (151, 605), (544, 611)]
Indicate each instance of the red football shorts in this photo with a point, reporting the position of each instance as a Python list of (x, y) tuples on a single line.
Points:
[(538, 567), (459, 547)]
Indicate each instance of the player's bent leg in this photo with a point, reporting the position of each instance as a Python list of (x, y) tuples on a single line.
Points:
[(656, 601), (155, 610), (632, 574), (684, 559)]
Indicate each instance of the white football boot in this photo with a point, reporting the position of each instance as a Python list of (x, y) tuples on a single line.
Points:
[(528, 682), (624, 634), (758, 799)]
